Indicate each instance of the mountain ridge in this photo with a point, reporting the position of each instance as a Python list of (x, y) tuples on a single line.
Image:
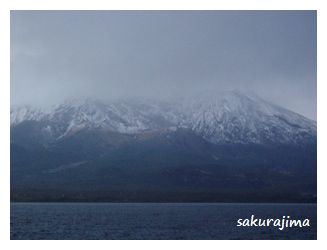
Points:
[(226, 117)]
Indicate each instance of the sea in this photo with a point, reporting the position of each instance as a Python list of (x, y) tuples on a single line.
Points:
[(156, 221)]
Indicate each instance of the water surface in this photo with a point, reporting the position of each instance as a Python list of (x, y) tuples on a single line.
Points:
[(154, 221)]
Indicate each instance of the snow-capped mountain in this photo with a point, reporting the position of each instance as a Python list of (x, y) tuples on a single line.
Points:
[(221, 118), (223, 147)]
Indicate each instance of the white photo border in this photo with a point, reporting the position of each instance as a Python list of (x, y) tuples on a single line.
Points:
[(7, 5)]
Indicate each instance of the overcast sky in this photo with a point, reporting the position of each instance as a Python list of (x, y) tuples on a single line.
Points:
[(112, 54)]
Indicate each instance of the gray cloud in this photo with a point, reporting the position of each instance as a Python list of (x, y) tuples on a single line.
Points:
[(112, 54)]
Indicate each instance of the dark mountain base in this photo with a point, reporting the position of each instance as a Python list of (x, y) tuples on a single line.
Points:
[(163, 166)]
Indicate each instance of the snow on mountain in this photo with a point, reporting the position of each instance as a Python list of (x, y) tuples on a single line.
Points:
[(219, 117), (122, 117), (19, 114), (235, 117)]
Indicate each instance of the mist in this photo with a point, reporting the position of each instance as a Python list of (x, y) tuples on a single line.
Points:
[(57, 55)]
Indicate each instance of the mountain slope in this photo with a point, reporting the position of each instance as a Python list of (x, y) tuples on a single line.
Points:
[(232, 117)]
